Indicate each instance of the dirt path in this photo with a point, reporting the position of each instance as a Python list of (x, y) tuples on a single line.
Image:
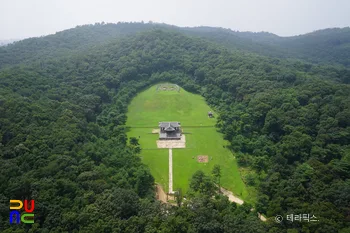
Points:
[(170, 170), (262, 218), (161, 195), (235, 199), (231, 197)]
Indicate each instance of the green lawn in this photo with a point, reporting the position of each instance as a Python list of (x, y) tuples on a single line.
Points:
[(150, 107)]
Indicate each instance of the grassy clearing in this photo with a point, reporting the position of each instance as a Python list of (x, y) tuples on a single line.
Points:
[(252, 189), (157, 160), (206, 141), (150, 107)]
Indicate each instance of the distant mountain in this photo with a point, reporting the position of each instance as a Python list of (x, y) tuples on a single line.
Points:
[(328, 46), (323, 46), (242, 41)]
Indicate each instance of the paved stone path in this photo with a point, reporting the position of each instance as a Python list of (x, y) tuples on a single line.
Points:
[(170, 170)]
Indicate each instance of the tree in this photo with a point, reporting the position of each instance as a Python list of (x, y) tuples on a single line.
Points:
[(178, 197), (202, 183), (216, 172), (135, 145), (134, 141)]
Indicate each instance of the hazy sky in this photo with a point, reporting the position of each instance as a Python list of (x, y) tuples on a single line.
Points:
[(28, 18)]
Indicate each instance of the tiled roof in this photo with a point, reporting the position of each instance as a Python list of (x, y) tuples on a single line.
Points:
[(169, 124)]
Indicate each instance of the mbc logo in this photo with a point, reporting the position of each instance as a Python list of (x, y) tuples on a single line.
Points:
[(27, 217)]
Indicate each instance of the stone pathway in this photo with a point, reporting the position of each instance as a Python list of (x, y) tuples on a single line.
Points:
[(170, 170)]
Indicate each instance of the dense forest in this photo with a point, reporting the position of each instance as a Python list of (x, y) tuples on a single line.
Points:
[(63, 104), (329, 46)]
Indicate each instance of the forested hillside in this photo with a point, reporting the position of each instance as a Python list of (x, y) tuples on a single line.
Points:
[(329, 46), (64, 144), (81, 38)]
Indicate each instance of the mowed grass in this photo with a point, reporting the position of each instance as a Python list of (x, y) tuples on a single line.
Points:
[(150, 107)]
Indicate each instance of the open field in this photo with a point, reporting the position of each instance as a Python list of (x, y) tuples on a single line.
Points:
[(150, 107)]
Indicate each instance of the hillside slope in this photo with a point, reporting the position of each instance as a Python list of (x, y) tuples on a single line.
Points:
[(329, 46), (80, 38), (64, 142)]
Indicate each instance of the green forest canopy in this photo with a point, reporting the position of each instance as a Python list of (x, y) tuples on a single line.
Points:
[(328, 46), (64, 144)]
